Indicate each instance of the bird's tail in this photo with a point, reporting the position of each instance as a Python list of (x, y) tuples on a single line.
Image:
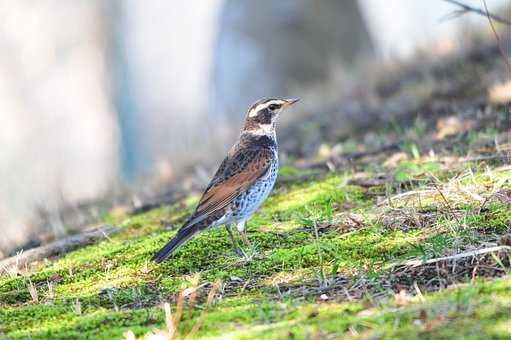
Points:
[(183, 235)]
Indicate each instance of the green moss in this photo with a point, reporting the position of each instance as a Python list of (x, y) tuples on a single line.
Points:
[(495, 217), (478, 310), (119, 289)]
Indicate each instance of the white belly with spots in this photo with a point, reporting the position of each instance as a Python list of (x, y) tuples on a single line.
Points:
[(247, 203)]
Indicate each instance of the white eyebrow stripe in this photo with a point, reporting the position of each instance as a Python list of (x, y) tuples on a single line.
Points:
[(262, 106)]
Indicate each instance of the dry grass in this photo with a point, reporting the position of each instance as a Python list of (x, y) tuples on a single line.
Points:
[(13, 270), (33, 291), (410, 278), (172, 321), (438, 207), (460, 190), (77, 307)]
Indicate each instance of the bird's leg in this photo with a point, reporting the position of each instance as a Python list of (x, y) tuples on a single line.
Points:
[(244, 238), (235, 245)]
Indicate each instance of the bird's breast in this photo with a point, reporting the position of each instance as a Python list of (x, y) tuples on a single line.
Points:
[(248, 202)]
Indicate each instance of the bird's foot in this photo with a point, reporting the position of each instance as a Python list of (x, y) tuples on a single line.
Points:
[(251, 254), (245, 255), (248, 258)]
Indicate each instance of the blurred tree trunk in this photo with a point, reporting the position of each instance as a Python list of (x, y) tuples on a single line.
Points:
[(280, 48), (58, 131), (161, 58), (133, 147)]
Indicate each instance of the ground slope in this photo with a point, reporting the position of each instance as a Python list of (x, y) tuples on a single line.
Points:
[(402, 231)]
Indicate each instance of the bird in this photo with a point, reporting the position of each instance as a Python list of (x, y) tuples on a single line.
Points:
[(242, 183)]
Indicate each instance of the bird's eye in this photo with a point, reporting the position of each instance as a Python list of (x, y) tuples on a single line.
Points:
[(273, 107)]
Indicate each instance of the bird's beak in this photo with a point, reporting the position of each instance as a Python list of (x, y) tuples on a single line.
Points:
[(290, 101)]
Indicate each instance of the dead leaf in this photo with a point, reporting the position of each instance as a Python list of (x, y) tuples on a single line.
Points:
[(500, 93), (394, 160), (451, 126), (368, 180)]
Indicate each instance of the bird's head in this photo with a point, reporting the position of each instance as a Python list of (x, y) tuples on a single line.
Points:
[(262, 115)]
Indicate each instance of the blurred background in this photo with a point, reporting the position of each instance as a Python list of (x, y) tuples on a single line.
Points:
[(107, 103)]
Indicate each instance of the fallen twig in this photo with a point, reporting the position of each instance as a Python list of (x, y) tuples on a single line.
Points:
[(481, 158), (62, 246), (447, 203), (497, 37), (491, 17), (469, 9), (416, 263)]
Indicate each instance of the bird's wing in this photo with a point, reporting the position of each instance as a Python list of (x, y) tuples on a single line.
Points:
[(236, 174)]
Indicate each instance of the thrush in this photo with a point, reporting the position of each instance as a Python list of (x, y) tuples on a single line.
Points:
[(242, 182)]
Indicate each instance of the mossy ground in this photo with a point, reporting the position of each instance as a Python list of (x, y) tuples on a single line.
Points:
[(307, 235), (333, 252)]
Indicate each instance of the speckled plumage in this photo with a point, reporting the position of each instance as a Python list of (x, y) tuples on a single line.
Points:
[(245, 205), (242, 182)]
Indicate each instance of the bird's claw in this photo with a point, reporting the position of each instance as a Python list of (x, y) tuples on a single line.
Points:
[(246, 256)]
